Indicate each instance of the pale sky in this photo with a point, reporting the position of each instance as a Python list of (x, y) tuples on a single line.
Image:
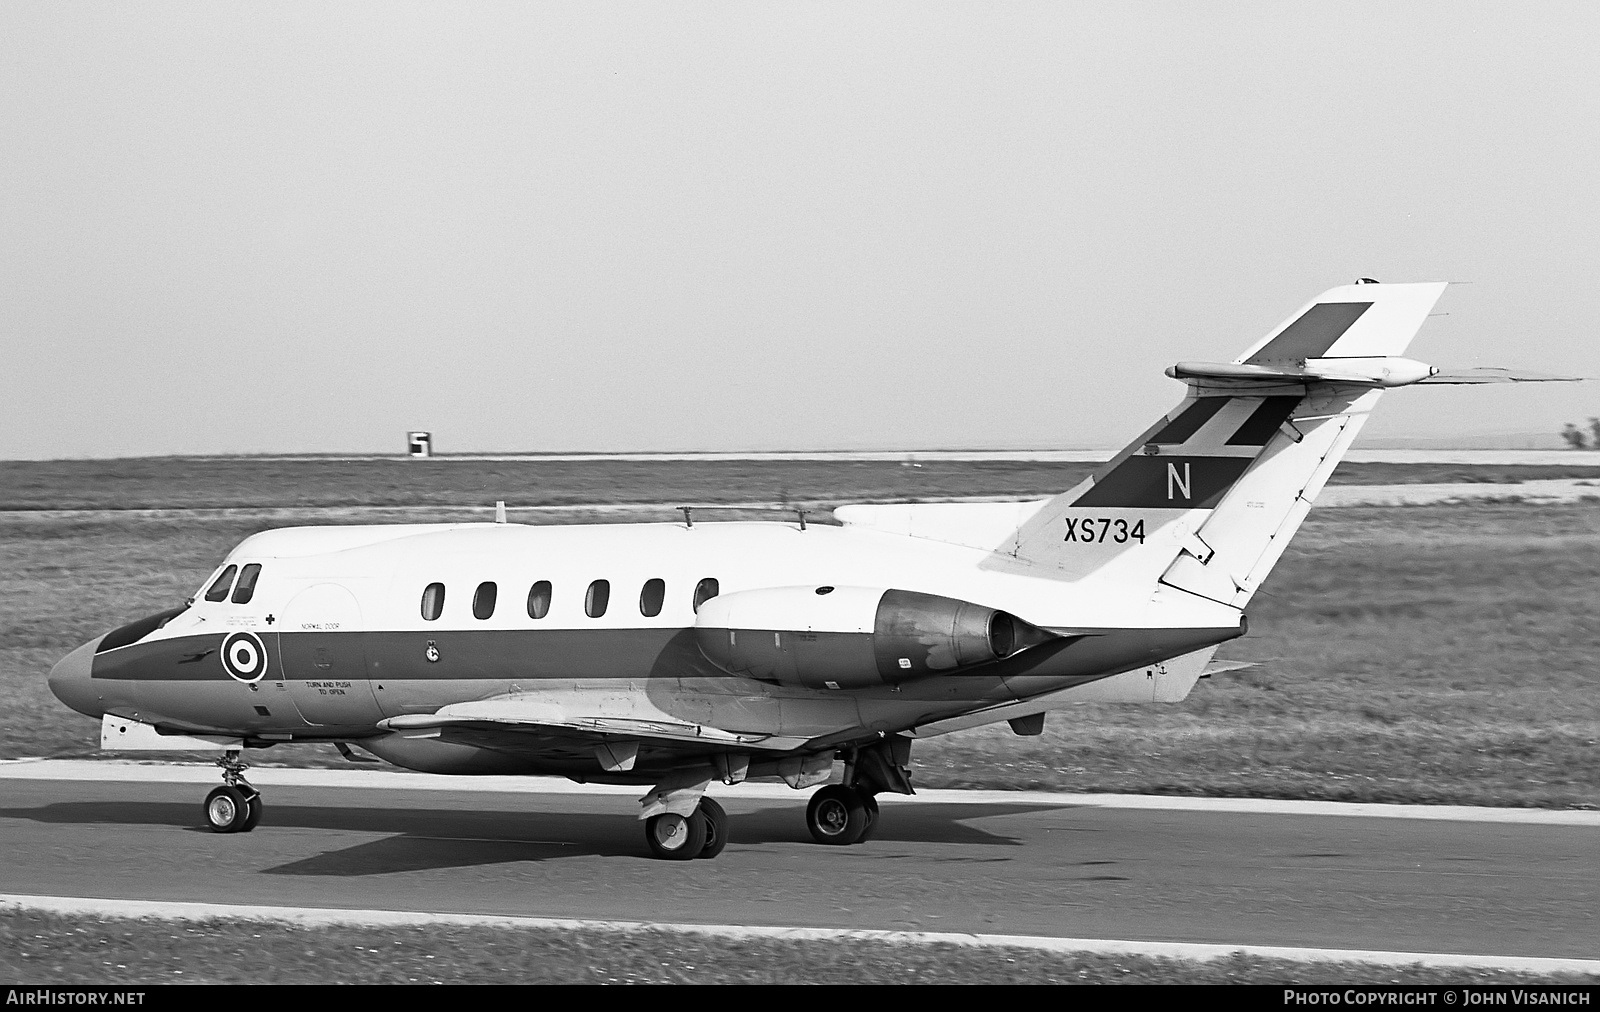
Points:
[(309, 227)]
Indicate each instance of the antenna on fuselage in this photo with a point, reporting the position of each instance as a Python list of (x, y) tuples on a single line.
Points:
[(500, 511), (802, 514), (686, 521)]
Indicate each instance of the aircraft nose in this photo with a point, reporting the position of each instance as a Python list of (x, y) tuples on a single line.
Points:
[(70, 680)]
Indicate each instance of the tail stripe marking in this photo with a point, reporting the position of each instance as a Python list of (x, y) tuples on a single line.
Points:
[(1313, 333), (1163, 482), (1263, 423), (1189, 421)]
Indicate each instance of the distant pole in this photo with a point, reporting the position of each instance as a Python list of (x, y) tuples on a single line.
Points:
[(419, 444)]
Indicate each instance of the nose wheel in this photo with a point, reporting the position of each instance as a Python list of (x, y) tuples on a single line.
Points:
[(235, 807)]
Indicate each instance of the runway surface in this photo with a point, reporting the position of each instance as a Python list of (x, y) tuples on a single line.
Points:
[(1241, 873)]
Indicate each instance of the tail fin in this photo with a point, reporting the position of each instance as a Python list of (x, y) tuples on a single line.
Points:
[(1206, 499)]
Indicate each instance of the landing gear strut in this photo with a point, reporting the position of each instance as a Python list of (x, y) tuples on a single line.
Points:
[(235, 807), (842, 814)]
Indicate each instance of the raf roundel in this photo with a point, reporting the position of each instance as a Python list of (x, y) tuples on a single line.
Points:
[(244, 656)]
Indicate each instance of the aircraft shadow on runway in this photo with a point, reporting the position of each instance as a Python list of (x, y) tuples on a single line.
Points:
[(424, 840)]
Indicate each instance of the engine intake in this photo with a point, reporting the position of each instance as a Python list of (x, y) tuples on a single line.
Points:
[(854, 637)]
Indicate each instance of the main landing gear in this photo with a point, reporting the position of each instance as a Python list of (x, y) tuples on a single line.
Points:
[(842, 815), (235, 807), (839, 814), (702, 834)]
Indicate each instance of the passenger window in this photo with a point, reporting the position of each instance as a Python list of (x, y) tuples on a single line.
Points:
[(595, 601), (483, 600), (219, 590), (651, 596), (247, 584), (539, 599), (704, 591), (433, 601)]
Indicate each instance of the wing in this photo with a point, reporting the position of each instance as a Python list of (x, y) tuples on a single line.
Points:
[(537, 730)]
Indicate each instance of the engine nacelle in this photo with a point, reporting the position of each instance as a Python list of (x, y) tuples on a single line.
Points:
[(853, 637)]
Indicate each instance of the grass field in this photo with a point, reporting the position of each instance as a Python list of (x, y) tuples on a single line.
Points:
[(215, 483), (1440, 654), (49, 949), (1418, 654)]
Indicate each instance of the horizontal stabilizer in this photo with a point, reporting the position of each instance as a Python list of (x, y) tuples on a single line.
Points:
[(1495, 375), (1369, 371)]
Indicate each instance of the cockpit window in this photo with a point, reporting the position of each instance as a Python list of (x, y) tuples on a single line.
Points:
[(247, 583), (433, 601), (219, 589)]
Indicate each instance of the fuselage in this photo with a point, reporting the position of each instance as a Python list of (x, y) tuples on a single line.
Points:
[(355, 625), (677, 655)]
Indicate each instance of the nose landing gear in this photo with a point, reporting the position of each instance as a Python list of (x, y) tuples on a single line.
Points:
[(235, 807)]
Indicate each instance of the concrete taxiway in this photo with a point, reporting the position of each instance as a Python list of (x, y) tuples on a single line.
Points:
[(1235, 873)]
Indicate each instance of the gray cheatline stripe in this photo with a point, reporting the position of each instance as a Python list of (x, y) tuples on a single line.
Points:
[(124, 771), (1200, 951)]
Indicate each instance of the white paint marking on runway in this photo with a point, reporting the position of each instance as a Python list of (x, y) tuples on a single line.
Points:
[(121, 771), (1196, 951)]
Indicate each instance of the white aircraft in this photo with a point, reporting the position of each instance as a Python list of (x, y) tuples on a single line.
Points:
[(674, 655)]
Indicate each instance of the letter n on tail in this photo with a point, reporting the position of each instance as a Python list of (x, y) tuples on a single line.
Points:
[(1182, 483)]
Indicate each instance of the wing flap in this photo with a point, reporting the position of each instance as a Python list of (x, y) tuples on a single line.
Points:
[(522, 718)]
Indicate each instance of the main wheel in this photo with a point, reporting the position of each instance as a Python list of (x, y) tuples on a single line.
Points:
[(836, 815), (675, 838), (870, 803), (254, 815), (716, 827), (227, 810)]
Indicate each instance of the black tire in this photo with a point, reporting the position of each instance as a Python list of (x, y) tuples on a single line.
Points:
[(836, 815), (226, 810), (254, 817), (870, 803), (674, 838), (716, 827)]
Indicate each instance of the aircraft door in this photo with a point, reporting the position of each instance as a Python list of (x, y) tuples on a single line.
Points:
[(324, 663)]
